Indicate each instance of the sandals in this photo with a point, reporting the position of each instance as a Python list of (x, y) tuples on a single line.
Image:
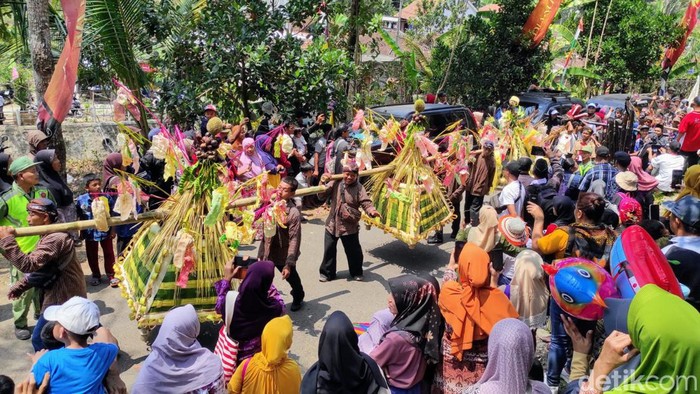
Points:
[(95, 282), (113, 282)]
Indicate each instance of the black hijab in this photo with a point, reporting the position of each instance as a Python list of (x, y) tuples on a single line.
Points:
[(563, 211), (51, 179), (254, 308), (5, 178), (341, 367), (418, 313)]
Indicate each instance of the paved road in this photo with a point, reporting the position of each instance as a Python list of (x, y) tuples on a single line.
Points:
[(385, 257)]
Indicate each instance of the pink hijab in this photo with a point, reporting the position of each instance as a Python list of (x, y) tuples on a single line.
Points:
[(646, 181), (254, 161)]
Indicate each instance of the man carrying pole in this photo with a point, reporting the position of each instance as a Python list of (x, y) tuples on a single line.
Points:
[(13, 213)]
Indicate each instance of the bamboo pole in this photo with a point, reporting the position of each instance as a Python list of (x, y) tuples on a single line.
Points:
[(602, 33), (85, 224), (159, 215), (315, 189)]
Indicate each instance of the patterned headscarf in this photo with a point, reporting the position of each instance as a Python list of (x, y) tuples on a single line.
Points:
[(418, 313)]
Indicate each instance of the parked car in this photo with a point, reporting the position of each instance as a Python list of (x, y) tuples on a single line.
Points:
[(438, 117), (545, 100), (617, 100)]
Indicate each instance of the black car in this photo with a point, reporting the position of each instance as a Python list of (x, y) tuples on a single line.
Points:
[(438, 117), (617, 100), (546, 100)]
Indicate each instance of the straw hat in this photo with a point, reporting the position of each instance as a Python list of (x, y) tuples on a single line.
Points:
[(514, 229)]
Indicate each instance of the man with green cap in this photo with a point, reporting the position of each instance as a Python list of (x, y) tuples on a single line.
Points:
[(13, 212)]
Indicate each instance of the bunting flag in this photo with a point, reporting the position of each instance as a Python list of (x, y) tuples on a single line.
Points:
[(674, 52), (15, 73), (572, 47), (58, 98), (538, 23)]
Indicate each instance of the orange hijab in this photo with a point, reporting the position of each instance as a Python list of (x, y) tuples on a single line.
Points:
[(470, 306)]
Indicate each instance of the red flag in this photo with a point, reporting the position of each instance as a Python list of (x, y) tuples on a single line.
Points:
[(58, 97), (538, 23), (690, 19)]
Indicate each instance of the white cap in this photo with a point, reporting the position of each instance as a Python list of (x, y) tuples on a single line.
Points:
[(77, 315), (594, 105)]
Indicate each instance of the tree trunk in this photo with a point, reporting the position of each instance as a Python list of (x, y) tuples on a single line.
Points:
[(351, 86), (40, 45), (43, 62)]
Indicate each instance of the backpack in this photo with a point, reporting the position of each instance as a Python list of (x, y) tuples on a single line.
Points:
[(582, 246)]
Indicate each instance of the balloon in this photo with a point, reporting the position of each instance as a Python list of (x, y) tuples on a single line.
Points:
[(580, 286)]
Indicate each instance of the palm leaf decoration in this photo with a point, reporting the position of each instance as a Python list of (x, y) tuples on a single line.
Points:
[(411, 199), (116, 26)]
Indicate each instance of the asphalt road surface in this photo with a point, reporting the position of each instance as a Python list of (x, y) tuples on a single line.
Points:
[(384, 258)]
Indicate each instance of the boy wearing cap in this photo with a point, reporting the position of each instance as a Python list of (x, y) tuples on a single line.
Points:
[(53, 265), (77, 367), (591, 114), (13, 213)]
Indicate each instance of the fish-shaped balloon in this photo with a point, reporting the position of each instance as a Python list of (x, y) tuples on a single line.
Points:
[(580, 286)]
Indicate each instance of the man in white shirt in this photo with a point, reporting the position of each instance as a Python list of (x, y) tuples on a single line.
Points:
[(664, 164), (512, 196)]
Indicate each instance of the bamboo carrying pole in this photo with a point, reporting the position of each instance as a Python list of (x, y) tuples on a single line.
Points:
[(85, 224), (159, 215)]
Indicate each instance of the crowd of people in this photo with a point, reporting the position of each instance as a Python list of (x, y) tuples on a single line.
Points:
[(474, 330)]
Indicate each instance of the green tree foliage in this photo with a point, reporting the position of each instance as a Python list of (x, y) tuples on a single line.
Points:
[(636, 34), (490, 62), (242, 51)]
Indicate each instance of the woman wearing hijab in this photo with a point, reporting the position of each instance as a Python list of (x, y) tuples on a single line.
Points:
[(49, 167), (5, 178), (250, 162), (561, 213), (691, 182), (660, 328), (646, 184), (341, 368), (485, 235), (413, 340), (528, 290), (178, 363), (257, 303), (112, 163), (511, 354), (37, 141), (270, 371), (470, 305)]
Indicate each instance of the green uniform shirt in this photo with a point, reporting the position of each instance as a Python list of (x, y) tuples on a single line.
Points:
[(13, 212)]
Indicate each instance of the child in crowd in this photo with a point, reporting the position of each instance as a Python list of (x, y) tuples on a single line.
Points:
[(93, 237), (77, 367), (304, 176)]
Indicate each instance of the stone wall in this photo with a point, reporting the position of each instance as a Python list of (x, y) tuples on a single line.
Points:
[(84, 141)]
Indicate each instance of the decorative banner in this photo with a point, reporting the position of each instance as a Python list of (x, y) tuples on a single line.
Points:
[(59, 95), (579, 29), (538, 23), (688, 22), (673, 53), (15, 73)]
